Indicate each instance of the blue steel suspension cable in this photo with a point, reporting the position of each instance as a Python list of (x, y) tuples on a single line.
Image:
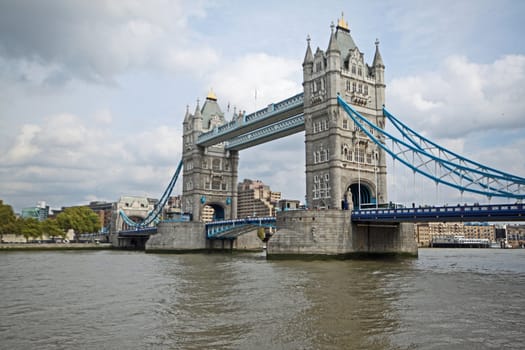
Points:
[(153, 215), (406, 133), (355, 116), (403, 128)]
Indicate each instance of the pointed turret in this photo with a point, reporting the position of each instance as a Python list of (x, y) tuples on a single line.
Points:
[(197, 117), (308, 57), (379, 73), (333, 53), (187, 116), (332, 45), (378, 60)]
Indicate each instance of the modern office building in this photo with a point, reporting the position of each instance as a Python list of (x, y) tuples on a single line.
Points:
[(254, 198)]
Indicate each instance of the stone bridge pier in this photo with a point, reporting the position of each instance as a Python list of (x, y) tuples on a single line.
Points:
[(331, 233)]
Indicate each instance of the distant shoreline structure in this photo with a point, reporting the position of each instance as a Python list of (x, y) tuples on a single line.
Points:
[(54, 246), (459, 242)]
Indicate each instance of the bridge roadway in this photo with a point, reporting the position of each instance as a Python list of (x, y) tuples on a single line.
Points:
[(274, 114), (460, 213), (230, 229)]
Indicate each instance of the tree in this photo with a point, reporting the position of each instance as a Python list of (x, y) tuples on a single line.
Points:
[(52, 229), (31, 228), (79, 219), (7, 220)]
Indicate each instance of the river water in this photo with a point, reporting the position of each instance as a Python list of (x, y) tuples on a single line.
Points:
[(445, 299)]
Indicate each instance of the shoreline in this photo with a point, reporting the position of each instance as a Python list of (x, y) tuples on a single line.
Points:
[(54, 246)]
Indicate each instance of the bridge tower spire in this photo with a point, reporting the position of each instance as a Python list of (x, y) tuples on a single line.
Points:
[(209, 178), (343, 167)]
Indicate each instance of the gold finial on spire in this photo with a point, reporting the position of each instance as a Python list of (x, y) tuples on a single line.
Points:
[(211, 96), (342, 24)]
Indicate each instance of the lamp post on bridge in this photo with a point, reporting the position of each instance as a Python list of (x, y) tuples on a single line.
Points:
[(376, 168), (357, 156)]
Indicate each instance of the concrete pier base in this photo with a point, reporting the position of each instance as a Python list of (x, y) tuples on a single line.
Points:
[(330, 233), (182, 237), (190, 237)]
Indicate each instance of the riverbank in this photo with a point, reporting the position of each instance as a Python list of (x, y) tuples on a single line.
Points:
[(54, 246)]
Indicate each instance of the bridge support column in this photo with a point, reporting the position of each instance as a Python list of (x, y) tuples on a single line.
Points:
[(330, 233), (190, 237), (178, 237), (388, 239)]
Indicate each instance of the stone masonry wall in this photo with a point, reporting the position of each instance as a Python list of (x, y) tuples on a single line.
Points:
[(178, 236), (384, 238), (324, 232)]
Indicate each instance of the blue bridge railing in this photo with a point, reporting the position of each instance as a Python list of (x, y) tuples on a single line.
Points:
[(217, 228), (490, 212)]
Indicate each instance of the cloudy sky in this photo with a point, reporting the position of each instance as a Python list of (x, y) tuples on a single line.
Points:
[(94, 92)]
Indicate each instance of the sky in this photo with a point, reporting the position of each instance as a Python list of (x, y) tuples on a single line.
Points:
[(94, 92)]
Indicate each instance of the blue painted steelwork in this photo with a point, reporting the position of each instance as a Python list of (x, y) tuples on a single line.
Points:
[(153, 215), (429, 146), (274, 108), (138, 232), (457, 175), (270, 132), (491, 212), (217, 228), (275, 112)]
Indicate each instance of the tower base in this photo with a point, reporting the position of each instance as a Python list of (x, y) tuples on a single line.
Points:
[(190, 237), (331, 234)]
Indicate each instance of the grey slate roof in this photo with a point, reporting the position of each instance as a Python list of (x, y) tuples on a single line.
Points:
[(209, 109)]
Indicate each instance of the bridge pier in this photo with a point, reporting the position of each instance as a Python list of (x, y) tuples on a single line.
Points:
[(190, 237), (330, 233)]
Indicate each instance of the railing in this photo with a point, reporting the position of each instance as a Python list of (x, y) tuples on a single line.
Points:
[(490, 212), (258, 134), (143, 232), (271, 110), (275, 108), (215, 228)]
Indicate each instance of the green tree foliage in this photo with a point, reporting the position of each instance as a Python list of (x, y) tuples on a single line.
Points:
[(80, 219), (31, 228), (8, 220), (51, 228)]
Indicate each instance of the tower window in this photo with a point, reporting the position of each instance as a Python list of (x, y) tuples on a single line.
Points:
[(216, 164)]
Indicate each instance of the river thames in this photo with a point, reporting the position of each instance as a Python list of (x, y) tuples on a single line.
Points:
[(445, 299)]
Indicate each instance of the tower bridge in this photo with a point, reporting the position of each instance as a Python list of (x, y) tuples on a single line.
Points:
[(341, 111)]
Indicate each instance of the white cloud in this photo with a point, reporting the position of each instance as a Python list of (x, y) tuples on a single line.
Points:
[(274, 78), (462, 97), (23, 148), (68, 159), (97, 40)]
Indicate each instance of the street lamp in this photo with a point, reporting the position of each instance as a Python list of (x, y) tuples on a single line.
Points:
[(376, 169), (356, 153)]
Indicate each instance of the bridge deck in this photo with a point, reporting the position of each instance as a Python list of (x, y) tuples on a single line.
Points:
[(485, 213), (272, 114)]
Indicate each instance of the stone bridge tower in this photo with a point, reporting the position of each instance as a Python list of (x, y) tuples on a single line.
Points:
[(209, 177), (343, 167)]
